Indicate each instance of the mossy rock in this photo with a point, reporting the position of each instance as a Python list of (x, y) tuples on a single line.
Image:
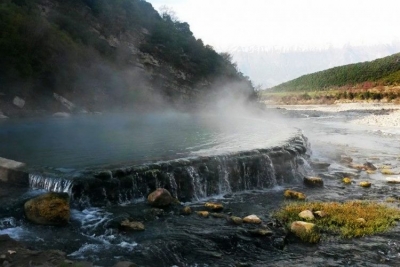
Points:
[(48, 209), (291, 194), (308, 232)]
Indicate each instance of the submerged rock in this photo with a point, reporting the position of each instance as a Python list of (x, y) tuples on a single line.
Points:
[(307, 215), (186, 210), (261, 232), (291, 194), (313, 181), (308, 232), (235, 220), (252, 219), (48, 209), (214, 206), (369, 166), (203, 213), (160, 198), (125, 264), (218, 215), (131, 225)]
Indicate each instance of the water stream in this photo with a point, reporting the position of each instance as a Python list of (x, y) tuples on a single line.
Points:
[(245, 181)]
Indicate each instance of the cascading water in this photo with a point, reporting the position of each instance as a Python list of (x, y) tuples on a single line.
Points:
[(53, 184)]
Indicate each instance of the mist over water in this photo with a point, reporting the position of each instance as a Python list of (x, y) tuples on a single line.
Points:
[(119, 138)]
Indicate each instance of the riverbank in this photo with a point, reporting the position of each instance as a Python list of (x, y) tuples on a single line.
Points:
[(384, 114)]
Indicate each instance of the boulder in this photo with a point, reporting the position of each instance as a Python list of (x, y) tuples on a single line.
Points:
[(203, 213), (252, 219), (393, 180), (48, 209), (160, 198), (214, 206), (291, 194), (308, 232), (365, 184), (313, 181), (346, 180), (307, 215), (131, 225)]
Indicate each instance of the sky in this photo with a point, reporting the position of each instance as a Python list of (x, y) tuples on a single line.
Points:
[(288, 24), (273, 41)]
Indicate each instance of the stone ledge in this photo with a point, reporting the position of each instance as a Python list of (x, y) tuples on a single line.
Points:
[(11, 173)]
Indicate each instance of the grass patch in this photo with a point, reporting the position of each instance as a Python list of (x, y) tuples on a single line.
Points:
[(344, 218)]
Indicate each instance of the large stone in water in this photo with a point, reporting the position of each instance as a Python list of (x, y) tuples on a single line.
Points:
[(131, 225), (252, 219), (160, 198), (48, 209)]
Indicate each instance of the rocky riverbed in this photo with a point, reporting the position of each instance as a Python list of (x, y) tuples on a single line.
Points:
[(342, 144)]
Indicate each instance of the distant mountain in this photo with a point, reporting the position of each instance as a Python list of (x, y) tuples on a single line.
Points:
[(272, 67), (91, 55), (383, 71)]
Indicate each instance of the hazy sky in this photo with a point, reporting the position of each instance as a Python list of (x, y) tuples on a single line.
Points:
[(288, 23)]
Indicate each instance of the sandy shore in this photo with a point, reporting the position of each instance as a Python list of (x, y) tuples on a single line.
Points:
[(391, 119)]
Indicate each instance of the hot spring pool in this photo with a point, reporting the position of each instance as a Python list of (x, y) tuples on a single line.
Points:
[(93, 140)]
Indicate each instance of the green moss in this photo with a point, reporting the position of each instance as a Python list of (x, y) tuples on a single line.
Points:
[(343, 218)]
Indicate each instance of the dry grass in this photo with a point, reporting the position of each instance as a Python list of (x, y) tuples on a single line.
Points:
[(344, 218)]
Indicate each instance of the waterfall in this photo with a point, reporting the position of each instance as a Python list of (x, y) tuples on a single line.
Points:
[(53, 184), (172, 184), (199, 187), (224, 186), (270, 172), (188, 179)]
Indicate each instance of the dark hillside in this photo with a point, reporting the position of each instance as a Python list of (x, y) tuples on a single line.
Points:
[(103, 55)]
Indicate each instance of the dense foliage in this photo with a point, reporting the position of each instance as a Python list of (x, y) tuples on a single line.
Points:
[(61, 45), (385, 71)]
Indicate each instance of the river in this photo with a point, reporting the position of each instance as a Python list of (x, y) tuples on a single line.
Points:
[(171, 239)]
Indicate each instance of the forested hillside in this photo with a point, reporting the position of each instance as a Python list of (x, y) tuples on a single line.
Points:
[(103, 55), (383, 71)]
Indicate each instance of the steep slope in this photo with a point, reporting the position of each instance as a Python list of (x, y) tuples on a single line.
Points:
[(383, 71), (91, 55)]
